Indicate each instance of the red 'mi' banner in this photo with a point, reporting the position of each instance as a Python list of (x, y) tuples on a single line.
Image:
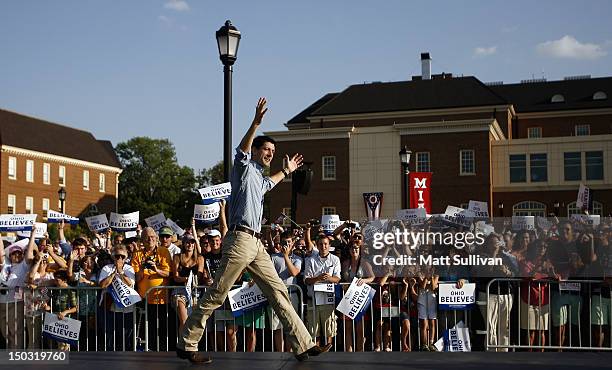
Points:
[(420, 187)]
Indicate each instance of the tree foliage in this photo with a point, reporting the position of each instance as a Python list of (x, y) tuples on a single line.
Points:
[(152, 181)]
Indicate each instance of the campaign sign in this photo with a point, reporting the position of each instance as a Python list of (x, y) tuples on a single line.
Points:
[(458, 216), (216, 192), (245, 299), (324, 294), (412, 216), (54, 217), (123, 295), (97, 223), (458, 338), (523, 222), (484, 228), (41, 230), (18, 222), (66, 330), (124, 222), (206, 213), (590, 220), (569, 286), (156, 222), (329, 223), (356, 300), (480, 209), (176, 228), (584, 197), (544, 223), (452, 298)]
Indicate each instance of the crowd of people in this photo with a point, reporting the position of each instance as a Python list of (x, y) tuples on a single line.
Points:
[(526, 302)]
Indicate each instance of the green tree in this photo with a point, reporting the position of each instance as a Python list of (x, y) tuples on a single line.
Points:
[(152, 181), (210, 176)]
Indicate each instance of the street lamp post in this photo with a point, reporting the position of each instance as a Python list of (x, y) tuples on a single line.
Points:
[(500, 207), (405, 159), (62, 198), (228, 38)]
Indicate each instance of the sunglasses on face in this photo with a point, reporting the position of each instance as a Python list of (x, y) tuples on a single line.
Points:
[(358, 237), (164, 236), (120, 256)]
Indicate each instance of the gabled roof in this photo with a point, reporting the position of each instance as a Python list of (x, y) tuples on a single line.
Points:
[(42, 136), (536, 96), (411, 95), (301, 117)]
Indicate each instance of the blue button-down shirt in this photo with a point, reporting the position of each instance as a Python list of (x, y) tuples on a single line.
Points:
[(248, 188)]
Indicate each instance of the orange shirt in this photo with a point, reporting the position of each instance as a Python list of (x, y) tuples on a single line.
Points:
[(151, 278)]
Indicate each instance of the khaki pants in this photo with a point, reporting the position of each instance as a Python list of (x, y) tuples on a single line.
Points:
[(240, 251), (11, 324)]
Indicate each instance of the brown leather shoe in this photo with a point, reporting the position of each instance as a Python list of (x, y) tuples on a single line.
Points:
[(314, 351), (193, 357)]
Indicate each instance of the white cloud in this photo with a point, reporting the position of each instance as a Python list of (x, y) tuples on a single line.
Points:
[(178, 5), (569, 47), (165, 20), (484, 52)]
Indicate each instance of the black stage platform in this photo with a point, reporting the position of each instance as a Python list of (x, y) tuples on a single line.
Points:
[(335, 361)]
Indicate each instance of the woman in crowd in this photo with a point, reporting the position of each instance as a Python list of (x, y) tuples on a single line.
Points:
[(85, 278), (535, 307), (36, 298), (355, 267), (188, 270)]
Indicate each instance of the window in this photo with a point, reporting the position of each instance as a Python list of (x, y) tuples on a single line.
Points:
[(29, 207), (582, 130), (46, 173), (538, 167), (29, 171), (85, 180), (102, 183), (285, 165), (533, 132), (573, 210), (529, 208), (287, 212), (12, 168), (518, 168), (11, 204), (45, 207), (422, 162), (571, 166), (466, 159), (557, 98), (594, 165), (600, 95), (329, 168), (328, 211), (62, 176)]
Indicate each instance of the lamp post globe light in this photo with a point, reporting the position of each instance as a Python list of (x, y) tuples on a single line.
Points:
[(62, 198), (405, 160), (228, 39)]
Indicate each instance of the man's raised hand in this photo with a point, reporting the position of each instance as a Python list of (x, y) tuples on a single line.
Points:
[(294, 162), (260, 111)]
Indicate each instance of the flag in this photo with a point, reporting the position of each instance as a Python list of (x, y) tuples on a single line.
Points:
[(373, 205)]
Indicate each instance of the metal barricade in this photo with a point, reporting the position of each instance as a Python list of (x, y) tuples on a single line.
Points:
[(548, 315), (158, 324)]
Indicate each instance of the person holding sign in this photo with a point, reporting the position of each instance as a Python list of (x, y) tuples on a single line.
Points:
[(188, 270), (120, 321), (242, 247), (322, 268), (63, 301), (355, 267)]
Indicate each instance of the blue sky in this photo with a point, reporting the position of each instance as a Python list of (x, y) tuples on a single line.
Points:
[(150, 67)]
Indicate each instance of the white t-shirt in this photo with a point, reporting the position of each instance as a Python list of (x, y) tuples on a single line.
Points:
[(316, 265), (129, 273), (13, 276)]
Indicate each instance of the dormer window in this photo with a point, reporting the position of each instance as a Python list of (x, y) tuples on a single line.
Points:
[(600, 95), (557, 98)]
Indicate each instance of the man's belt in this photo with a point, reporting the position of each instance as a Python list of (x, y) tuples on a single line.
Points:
[(245, 230)]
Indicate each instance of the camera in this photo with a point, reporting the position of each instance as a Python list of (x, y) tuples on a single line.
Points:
[(352, 225), (149, 263), (314, 223), (3, 289)]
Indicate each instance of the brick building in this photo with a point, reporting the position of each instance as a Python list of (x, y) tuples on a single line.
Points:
[(40, 157), (524, 148)]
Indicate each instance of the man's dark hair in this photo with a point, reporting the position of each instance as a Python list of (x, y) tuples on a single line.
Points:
[(260, 140)]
